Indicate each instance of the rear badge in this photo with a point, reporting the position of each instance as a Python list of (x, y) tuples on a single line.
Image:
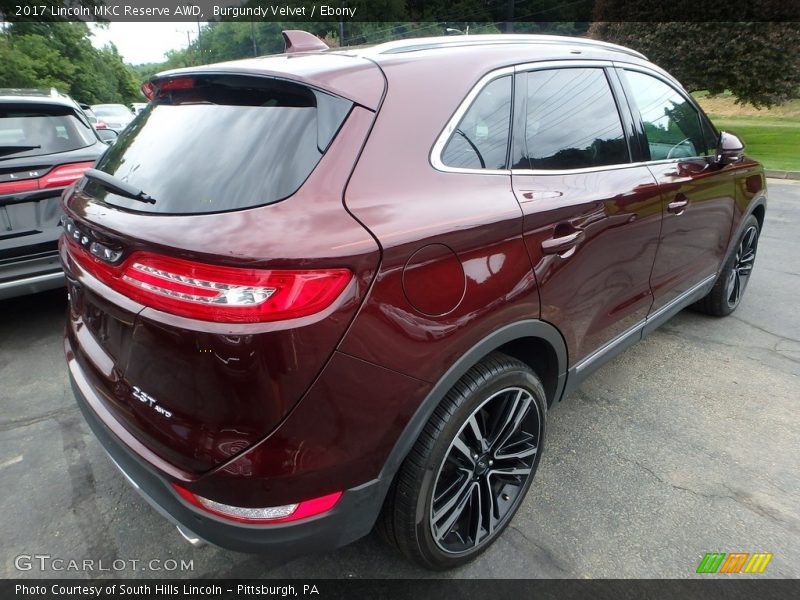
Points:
[(150, 401)]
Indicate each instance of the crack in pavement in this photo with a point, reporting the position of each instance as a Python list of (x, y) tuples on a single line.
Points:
[(741, 498), (25, 422), (545, 552)]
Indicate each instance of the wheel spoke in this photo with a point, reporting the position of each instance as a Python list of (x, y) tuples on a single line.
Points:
[(530, 450), (520, 410), (459, 445), (490, 514), (477, 433), (507, 417), (736, 288), (455, 506), (510, 471), (459, 482)]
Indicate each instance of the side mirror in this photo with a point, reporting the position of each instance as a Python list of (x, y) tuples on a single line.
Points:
[(730, 149), (107, 136)]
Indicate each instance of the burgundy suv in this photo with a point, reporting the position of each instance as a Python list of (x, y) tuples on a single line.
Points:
[(318, 291)]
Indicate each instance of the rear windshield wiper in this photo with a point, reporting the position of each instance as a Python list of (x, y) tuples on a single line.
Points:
[(14, 149), (117, 186)]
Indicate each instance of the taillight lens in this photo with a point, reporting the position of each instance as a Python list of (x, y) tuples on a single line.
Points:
[(61, 176), (271, 515), (217, 293), (64, 175)]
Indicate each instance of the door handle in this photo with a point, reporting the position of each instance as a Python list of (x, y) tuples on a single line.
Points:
[(678, 205), (563, 243)]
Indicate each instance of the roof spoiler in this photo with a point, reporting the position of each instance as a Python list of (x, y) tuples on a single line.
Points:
[(297, 40)]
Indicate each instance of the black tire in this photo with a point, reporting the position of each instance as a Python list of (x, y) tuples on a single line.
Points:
[(732, 281), (508, 404)]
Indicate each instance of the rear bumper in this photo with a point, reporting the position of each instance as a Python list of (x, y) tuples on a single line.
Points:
[(351, 518), (29, 275)]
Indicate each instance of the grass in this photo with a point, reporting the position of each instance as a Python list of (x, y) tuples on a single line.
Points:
[(771, 136)]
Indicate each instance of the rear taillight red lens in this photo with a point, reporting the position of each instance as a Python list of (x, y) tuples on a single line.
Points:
[(64, 175), (217, 293), (61, 176)]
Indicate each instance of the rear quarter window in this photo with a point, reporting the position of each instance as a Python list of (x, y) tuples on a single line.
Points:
[(222, 143)]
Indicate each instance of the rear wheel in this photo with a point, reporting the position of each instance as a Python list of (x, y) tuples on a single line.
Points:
[(469, 471), (729, 288)]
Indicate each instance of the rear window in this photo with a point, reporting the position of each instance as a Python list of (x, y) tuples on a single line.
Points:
[(33, 131), (112, 111), (220, 143)]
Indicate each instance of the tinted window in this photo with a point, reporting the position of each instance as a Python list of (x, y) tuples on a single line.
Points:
[(220, 143), (671, 123), (481, 139), (34, 131), (571, 121), (710, 135)]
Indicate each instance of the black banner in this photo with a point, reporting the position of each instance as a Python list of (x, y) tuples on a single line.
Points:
[(477, 11), (376, 589)]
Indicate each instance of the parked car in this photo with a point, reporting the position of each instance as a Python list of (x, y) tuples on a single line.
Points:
[(138, 107), (351, 295), (46, 143), (92, 118), (115, 116)]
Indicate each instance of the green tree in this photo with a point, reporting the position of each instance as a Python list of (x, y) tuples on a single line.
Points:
[(759, 63), (61, 55)]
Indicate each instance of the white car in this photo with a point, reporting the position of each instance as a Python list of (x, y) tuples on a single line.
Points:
[(116, 116)]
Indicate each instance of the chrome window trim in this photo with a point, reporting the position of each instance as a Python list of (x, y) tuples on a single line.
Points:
[(675, 85), (447, 132), (445, 135)]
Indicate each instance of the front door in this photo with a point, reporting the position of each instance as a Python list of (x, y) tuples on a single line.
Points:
[(697, 195)]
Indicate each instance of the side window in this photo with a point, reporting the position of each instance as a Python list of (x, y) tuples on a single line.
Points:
[(671, 123), (481, 139), (710, 135), (571, 121)]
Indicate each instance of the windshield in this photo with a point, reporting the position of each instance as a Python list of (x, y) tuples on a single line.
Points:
[(223, 143), (33, 132), (113, 110)]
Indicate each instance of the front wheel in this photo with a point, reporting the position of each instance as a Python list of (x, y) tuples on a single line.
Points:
[(729, 288), (469, 471)]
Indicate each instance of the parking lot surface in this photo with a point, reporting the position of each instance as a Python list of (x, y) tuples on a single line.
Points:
[(687, 443)]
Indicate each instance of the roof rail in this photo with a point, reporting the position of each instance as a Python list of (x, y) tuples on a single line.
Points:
[(412, 45), (297, 40)]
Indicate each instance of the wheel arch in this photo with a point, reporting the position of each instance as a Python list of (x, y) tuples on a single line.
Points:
[(536, 343)]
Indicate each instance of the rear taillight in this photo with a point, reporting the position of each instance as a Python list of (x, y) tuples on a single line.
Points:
[(217, 293), (64, 175), (151, 90), (271, 515), (61, 176)]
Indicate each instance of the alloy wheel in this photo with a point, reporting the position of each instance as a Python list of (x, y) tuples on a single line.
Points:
[(485, 471), (742, 267)]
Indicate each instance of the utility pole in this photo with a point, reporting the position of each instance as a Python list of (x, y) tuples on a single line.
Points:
[(199, 47), (341, 25), (510, 16)]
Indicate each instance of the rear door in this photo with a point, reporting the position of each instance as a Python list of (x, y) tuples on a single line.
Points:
[(697, 196), (591, 218)]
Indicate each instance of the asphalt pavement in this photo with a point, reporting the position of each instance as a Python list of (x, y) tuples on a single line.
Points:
[(687, 443)]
